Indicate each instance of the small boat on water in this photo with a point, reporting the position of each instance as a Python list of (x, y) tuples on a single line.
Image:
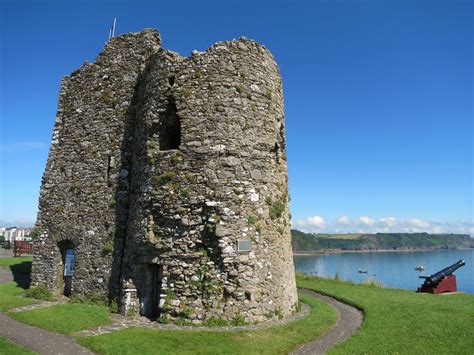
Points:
[(362, 271), (420, 268)]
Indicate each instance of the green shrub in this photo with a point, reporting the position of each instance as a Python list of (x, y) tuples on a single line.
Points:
[(216, 322), (164, 178), (108, 247), (238, 320), (152, 145), (186, 313), (92, 298), (107, 96), (35, 233), (176, 158), (184, 192), (251, 220), (163, 319), (277, 209), (182, 321), (113, 306), (268, 94), (39, 292)]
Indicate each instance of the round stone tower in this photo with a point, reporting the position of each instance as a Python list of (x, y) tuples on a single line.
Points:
[(202, 225)]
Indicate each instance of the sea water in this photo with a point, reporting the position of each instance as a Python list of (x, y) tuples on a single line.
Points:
[(392, 269)]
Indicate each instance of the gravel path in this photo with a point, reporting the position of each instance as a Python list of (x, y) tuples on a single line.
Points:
[(348, 320)]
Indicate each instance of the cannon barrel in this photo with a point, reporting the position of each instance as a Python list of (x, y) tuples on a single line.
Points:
[(432, 280)]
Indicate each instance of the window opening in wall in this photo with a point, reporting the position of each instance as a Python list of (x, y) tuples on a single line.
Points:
[(280, 144), (282, 136), (276, 150), (170, 127), (108, 166), (171, 80)]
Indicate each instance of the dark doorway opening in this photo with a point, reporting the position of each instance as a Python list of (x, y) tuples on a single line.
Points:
[(67, 267), (151, 291), (170, 127)]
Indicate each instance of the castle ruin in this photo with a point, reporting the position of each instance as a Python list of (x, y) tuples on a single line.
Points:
[(166, 184)]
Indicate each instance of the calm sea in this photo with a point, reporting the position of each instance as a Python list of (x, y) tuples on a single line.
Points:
[(392, 269)]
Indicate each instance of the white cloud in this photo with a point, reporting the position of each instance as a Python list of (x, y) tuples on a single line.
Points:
[(418, 223), (317, 222), (366, 221), (388, 222), (311, 224), (437, 230), (343, 221), (365, 224)]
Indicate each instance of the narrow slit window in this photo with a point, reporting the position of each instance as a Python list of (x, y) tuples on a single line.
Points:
[(276, 150), (109, 165), (170, 127)]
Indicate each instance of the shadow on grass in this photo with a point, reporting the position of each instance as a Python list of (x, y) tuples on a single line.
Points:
[(22, 274)]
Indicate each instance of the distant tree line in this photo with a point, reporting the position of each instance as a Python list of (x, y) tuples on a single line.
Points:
[(305, 242)]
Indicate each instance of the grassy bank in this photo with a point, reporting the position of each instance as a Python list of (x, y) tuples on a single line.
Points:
[(11, 292), (10, 261), (10, 296), (274, 340), (9, 347), (404, 322), (65, 318)]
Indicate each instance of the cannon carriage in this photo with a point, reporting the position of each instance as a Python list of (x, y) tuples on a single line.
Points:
[(442, 281)]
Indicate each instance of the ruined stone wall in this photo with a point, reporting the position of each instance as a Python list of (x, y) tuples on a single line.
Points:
[(202, 167), (83, 196)]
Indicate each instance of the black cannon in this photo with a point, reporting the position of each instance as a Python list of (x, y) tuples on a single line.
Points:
[(442, 281)]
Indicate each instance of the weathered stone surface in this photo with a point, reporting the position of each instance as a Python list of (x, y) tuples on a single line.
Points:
[(159, 166)]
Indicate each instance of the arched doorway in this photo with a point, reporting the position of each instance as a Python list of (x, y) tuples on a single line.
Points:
[(67, 250)]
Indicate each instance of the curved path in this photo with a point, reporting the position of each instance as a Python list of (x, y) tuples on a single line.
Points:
[(349, 319), (39, 340), (44, 342)]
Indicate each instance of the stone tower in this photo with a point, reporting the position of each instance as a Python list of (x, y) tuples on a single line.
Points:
[(166, 183)]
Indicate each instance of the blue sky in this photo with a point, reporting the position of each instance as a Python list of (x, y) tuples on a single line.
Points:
[(378, 98)]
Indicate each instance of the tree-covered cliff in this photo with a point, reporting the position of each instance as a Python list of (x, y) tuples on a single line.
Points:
[(307, 243)]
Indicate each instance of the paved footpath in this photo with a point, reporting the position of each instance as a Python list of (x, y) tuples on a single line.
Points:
[(348, 321), (5, 275), (39, 340)]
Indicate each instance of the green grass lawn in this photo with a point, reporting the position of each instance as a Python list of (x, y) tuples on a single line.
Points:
[(9, 296), (10, 348), (65, 318), (10, 292), (14, 261), (274, 340), (403, 322)]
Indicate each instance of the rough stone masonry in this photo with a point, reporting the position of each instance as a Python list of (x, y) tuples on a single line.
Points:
[(166, 183)]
